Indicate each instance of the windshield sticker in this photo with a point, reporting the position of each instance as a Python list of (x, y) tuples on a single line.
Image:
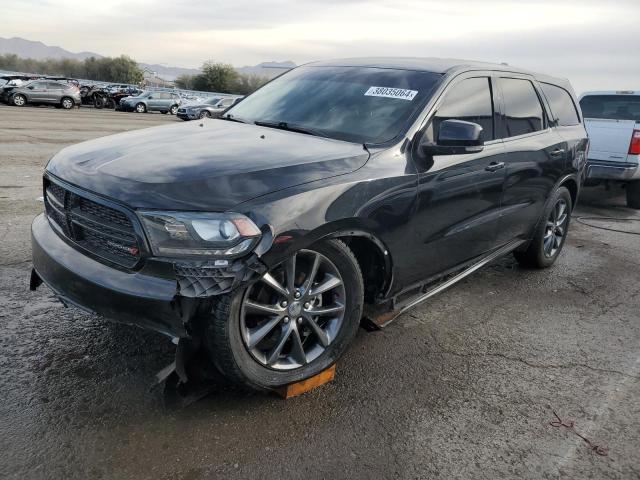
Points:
[(387, 92)]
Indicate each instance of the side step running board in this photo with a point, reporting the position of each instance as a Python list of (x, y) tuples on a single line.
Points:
[(385, 319)]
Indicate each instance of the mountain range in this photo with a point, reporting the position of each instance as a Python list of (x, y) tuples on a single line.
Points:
[(38, 50)]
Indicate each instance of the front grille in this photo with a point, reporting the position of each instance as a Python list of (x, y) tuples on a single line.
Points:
[(104, 231)]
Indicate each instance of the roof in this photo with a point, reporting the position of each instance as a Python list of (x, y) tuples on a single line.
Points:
[(612, 92), (432, 64)]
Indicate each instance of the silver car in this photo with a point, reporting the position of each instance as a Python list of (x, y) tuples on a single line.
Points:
[(211, 107), (163, 102), (60, 94)]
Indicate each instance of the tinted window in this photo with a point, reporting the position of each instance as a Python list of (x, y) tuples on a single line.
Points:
[(356, 104), (38, 85), (54, 86), (614, 107), (562, 106), (469, 100), (522, 107)]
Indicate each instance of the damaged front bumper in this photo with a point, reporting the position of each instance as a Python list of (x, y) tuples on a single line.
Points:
[(162, 304)]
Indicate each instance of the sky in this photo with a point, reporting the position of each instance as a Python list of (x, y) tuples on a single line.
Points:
[(591, 42)]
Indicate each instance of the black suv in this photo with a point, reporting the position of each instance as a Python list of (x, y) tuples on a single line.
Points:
[(340, 190)]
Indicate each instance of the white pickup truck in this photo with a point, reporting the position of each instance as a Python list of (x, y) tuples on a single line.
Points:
[(612, 120)]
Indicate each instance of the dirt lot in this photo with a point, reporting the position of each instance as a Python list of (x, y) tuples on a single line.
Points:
[(463, 387)]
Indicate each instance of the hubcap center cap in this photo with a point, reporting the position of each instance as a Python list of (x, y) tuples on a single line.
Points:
[(295, 309)]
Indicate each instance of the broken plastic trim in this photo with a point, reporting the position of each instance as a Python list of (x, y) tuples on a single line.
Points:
[(202, 279)]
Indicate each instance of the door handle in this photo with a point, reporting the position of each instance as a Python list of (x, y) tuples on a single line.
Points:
[(557, 152), (493, 166)]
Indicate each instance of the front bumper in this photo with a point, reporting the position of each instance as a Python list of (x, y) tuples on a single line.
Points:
[(186, 115), (600, 170), (133, 298)]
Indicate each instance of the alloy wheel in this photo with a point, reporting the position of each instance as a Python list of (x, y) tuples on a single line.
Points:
[(18, 100), (67, 104), (293, 313), (140, 108), (555, 228)]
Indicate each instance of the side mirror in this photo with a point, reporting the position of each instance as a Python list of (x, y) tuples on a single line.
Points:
[(30, 87), (456, 137)]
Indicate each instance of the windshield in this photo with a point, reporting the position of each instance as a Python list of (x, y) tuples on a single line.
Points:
[(356, 104), (613, 107), (212, 101)]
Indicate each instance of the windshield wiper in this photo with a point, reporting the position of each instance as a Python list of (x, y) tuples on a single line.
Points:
[(231, 118), (290, 127)]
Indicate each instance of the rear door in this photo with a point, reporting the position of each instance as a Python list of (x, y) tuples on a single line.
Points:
[(535, 156), (567, 122), (459, 195), (53, 93)]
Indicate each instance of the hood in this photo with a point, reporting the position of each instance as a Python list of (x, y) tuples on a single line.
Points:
[(210, 166)]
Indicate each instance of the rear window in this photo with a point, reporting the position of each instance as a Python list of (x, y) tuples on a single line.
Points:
[(613, 107), (562, 106), (523, 110)]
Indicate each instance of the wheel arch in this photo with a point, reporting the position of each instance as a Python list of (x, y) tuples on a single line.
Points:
[(571, 184), (373, 256)]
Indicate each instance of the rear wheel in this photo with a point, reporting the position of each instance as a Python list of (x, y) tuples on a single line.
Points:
[(19, 100), (141, 108), (633, 194), (67, 103), (550, 234), (292, 323)]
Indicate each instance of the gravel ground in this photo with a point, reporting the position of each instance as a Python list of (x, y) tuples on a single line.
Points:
[(462, 387)]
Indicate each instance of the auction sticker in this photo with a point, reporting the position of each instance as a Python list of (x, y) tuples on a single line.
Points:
[(388, 92)]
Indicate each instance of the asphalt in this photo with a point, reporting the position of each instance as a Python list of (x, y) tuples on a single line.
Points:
[(462, 387)]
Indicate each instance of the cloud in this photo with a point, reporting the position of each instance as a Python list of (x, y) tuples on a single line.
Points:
[(585, 40)]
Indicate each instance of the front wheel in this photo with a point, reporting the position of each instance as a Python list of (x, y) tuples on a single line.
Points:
[(141, 108), (19, 100), (204, 114), (550, 234), (173, 110), (633, 194), (292, 323)]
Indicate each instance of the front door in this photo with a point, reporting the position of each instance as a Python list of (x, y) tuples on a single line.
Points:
[(459, 195)]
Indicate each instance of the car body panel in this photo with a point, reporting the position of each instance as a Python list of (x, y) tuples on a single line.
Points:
[(139, 168)]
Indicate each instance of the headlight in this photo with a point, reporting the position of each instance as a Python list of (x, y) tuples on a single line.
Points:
[(199, 234)]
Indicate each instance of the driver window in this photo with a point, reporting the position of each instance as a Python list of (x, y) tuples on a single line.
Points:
[(469, 100)]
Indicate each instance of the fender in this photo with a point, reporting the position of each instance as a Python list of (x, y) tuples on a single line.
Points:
[(561, 180)]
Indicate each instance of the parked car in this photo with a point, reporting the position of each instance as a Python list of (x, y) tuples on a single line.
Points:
[(62, 94), (9, 82), (211, 107), (612, 119), (338, 188), (163, 102)]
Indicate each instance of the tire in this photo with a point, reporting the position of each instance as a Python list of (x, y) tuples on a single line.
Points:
[(110, 103), (550, 234), (633, 194), (67, 103), (19, 100), (141, 108), (98, 102), (204, 114), (173, 110), (225, 332)]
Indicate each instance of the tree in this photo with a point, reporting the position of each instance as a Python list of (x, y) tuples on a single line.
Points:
[(219, 77), (121, 69)]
